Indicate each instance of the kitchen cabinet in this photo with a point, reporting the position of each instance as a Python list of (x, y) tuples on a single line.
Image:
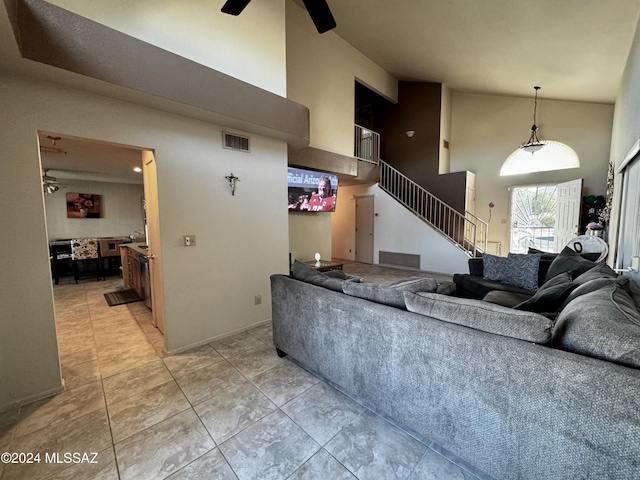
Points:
[(131, 268)]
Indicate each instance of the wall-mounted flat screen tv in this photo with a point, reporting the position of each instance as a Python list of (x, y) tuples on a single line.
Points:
[(312, 191)]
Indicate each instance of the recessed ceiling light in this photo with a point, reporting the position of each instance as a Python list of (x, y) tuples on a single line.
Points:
[(137, 169)]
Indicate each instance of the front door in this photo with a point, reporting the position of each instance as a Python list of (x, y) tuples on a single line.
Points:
[(569, 198), (153, 238), (364, 229)]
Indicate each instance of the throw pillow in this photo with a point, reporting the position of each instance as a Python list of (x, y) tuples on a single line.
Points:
[(571, 262), (550, 296), (603, 324), (390, 294), (517, 270), (599, 271), (303, 272), (487, 317)]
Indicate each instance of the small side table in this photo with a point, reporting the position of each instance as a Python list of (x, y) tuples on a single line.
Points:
[(325, 266)]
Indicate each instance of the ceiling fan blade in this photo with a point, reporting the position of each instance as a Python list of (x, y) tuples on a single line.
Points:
[(320, 14), (234, 7)]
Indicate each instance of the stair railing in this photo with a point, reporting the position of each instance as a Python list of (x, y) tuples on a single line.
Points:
[(467, 232), (367, 145)]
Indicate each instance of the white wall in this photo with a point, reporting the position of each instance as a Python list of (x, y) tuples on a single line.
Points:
[(395, 230), (121, 212), (487, 129), (626, 131), (249, 47)]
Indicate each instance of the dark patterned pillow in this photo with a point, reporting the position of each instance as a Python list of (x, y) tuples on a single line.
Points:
[(519, 270)]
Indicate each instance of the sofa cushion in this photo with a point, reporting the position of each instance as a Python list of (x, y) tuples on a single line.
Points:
[(550, 296), (571, 262), (603, 324), (488, 317), (477, 287), (306, 273), (390, 294), (506, 299), (446, 288), (601, 270), (520, 270)]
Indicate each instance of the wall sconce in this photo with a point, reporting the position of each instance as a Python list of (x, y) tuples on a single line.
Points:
[(232, 182), (410, 133)]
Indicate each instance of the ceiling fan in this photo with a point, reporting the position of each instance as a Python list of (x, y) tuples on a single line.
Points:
[(318, 11), (49, 184)]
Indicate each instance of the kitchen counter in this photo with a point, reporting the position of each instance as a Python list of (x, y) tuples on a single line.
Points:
[(138, 247)]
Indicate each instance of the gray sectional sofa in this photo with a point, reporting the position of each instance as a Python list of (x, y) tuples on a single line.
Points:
[(512, 393)]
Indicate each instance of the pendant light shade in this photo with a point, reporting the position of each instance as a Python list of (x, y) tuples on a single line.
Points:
[(539, 156)]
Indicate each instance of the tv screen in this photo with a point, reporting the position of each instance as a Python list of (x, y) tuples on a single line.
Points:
[(311, 191)]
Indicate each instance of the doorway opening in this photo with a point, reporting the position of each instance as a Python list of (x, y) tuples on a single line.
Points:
[(120, 176), (545, 217), (533, 218)]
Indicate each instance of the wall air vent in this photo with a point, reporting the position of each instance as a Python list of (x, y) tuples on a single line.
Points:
[(235, 142)]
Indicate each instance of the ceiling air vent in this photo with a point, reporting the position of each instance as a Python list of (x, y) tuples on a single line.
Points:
[(236, 142)]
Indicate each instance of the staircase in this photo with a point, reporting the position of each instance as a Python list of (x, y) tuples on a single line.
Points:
[(467, 232)]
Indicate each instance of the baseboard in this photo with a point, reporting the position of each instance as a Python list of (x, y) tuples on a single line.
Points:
[(30, 399), (399, 260), (217, 337)]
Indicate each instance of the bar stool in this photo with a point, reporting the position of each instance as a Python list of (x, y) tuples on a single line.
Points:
[(83, 249)]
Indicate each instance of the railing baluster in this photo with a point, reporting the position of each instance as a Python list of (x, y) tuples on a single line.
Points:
[(462, 230)]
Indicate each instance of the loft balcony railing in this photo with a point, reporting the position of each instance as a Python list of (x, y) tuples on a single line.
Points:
[(367, 145), (467, 232)]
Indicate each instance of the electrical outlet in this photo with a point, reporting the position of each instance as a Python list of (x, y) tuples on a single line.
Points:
[(189, 240), (258, 299)]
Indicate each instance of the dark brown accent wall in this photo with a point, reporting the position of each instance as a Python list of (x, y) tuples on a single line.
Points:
[(418, 109), (51, 35)]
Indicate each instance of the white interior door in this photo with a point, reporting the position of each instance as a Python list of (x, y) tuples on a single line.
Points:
[(364, 229), (569, 199), (153, 227)]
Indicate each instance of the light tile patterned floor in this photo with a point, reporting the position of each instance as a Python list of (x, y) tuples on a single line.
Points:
[(231, 409)]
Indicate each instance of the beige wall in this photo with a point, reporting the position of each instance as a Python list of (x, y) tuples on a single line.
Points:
[(209, 289), (487, 129), (249, 47), (626, 132), (241, 239), (321, 74), (121, 211)]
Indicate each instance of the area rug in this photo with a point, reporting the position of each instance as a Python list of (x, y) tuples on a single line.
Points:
[(121, 297)]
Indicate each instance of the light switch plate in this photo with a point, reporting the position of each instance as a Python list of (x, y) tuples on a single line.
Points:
[(189, 240)]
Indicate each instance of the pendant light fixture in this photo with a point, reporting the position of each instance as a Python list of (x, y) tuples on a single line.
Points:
[(539, 156)]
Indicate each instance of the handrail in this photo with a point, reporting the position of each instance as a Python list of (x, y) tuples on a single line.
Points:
[(467, 232), (367, 145)]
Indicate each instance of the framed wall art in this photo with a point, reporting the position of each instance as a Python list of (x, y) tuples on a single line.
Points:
[(83, 205)]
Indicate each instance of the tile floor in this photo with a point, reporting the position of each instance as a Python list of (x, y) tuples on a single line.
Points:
[(231, 409)]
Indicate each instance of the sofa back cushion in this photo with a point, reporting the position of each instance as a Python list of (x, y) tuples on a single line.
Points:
[(484, 316), (303, 272), (602, 324), (392, 294)]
